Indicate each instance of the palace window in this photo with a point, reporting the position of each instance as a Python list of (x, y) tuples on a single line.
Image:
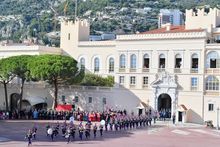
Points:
[(210, 107), (96, 65), (146, 63), (145, 81), (212, 83), (132, 80), (82, 63), (111, 65), (68, 36), (162, 61), (121, 80), (178, 61), (90, 99), (122, 61), (133, 61), (194, 83), (213, 60), (195, 61), (104, 101)]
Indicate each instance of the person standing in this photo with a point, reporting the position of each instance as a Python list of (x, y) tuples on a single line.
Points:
[(35, 114), (81, 129), (67, 135), (47, 128), (174, 118), (71, 119), (34, 131), (87, 131), (94, 130), (72, 131), (101, 130), (29, 137), (50, 132)]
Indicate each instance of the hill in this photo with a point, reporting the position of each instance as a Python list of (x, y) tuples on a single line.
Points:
[(23, 19)]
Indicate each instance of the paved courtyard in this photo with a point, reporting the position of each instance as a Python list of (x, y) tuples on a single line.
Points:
[(160, 135)]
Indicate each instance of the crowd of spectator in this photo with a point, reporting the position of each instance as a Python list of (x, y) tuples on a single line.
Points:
[(58, 115)]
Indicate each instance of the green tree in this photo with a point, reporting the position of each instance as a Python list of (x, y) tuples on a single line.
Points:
[(5, 77), (56, 70), (18, 67), (96, 80)]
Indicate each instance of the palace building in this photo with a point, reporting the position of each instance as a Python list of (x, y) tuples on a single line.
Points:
[(173, 68)]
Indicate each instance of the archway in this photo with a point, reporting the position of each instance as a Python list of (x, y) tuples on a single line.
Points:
[(14, 101), (164, 105)]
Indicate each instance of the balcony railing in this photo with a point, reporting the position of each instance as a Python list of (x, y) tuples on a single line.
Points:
[(194, 70), (132, 86), (121, 69), (177, 70), (133, 69), (194, 88), (161, 69), (212, 93), (145, 70), (145, 86), (212, 71)]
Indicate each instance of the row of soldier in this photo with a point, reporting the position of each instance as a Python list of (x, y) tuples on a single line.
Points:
[(112, 123), (69, 131)]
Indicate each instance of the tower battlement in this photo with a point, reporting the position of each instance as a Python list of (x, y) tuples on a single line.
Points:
[(204, 18), (82, 23), (209, 12), (73, 32)]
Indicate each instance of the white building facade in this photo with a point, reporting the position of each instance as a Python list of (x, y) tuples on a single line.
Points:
[(175, 68)]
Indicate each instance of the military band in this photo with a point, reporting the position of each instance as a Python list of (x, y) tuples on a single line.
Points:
[(113, 122)]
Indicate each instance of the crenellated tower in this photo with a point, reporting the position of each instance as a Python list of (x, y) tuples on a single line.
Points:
[(73, 32), (205, 18)]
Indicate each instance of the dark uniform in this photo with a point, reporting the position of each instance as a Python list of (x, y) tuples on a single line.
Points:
[(101, 130), (67, 135), (73, 131), (81, 129), (29, 137), (94, 130)]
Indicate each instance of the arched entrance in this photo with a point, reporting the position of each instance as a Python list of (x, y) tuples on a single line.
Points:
[(14, 101), (164, 105)]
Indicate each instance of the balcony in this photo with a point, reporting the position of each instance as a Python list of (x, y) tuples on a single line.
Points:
[(194, 88), (133, 69), (121, 69), (194, 70), (146, 70), (212, 93), (145, 86), (161, 69), (132, 86), (212, 71), (177, 70)]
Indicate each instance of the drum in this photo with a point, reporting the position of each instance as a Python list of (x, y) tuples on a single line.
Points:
[(102, 122), (50, 131)]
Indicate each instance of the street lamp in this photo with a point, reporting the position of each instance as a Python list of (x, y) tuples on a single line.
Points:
[(217, 118)]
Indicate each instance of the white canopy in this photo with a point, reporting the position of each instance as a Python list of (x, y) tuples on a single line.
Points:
[(34, 100), (141, 105), (182, 108)]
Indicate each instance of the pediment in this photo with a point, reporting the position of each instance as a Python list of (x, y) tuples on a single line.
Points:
[(164, 79)]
